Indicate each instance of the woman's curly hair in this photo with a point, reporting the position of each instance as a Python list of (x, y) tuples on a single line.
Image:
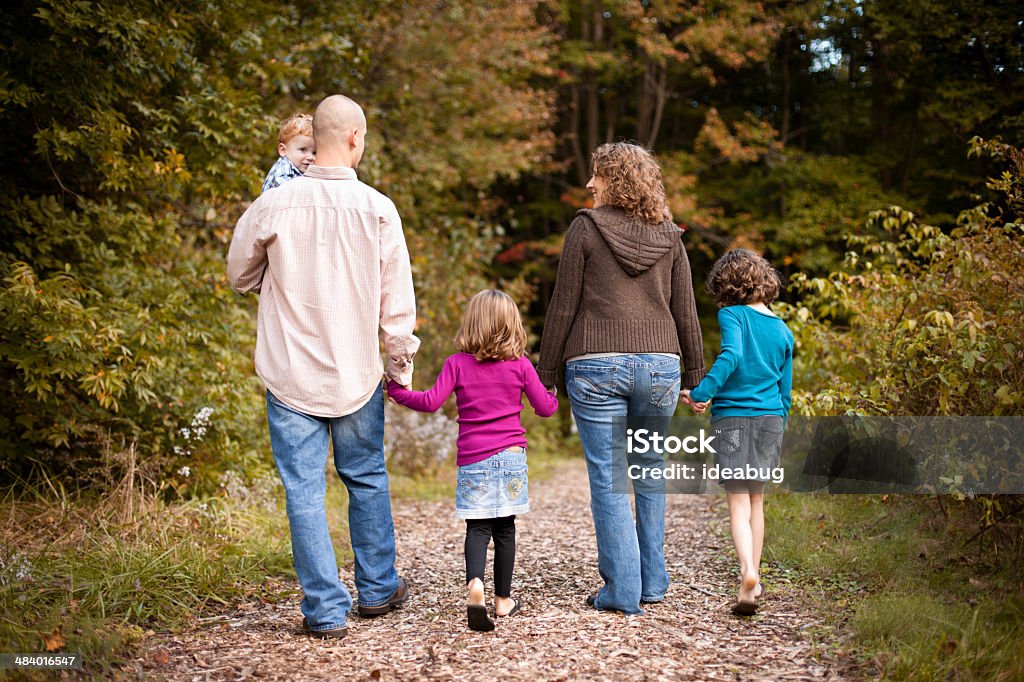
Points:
[(742, 277), (633, 180)]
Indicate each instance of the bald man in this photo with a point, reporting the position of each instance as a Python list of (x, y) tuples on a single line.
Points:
[(328, 257)]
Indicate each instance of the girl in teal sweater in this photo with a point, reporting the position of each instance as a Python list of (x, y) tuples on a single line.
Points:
[(750, 382)]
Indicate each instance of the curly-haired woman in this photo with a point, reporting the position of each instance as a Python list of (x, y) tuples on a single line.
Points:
[(621, 316)]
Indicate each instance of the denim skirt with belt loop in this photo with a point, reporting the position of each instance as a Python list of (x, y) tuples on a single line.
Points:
[(753, 444), (494, 487)]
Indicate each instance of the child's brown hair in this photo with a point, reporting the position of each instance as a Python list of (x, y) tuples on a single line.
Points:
[(492, 328), (296, 124), (741, 277)]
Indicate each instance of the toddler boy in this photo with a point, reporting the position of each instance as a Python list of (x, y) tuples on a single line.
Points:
[(296, 149)]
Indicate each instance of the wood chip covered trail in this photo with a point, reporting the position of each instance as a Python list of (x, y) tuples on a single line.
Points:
[(689, 636)]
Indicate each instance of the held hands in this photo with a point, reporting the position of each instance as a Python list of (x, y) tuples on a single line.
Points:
[(698, 408), (386, 392)]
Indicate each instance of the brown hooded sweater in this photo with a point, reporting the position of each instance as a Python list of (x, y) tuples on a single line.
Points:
[(623, 286)]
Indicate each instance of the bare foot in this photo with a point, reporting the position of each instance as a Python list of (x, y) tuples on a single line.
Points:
[(748, 586), (503, 605), (476, 592)]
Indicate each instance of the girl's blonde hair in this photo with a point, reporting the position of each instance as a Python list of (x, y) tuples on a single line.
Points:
[(741, 277), (492, 328), (633, 180)]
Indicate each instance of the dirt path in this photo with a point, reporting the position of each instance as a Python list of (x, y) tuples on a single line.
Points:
[(689, 636)]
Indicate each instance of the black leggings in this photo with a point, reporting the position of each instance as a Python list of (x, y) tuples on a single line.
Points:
[(478, 535)]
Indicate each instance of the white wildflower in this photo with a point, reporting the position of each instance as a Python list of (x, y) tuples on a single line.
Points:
[(19, 565)]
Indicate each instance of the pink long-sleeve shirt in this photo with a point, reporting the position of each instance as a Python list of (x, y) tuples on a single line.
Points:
[(489, 397)]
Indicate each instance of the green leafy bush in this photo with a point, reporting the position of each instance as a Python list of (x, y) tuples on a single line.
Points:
[(920, 322), (121, 347), (133, 128)]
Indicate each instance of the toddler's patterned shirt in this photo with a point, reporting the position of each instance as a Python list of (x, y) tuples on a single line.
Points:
[(281, 172)]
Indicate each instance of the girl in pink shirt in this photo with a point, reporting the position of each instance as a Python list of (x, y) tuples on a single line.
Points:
[(489, 376)]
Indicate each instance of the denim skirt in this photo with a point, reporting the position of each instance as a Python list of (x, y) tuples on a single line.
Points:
[(494, 487), (753, 444)]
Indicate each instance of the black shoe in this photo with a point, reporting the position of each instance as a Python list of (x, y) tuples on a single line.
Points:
[(477, 618), (393, 602), (592, 603), (744, 608), (333, 633)]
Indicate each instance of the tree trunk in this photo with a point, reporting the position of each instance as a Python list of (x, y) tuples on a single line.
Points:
[(611, 111), (882, 105), (593, 113), (580, 160), (644, 104), (661, 94), (908, 161), (785, 89), (593, 99)]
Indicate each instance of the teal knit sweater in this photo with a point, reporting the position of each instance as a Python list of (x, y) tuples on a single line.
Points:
[(753, 375)]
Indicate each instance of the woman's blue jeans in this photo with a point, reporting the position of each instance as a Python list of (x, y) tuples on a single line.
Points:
[(300, 443), (631, 555)]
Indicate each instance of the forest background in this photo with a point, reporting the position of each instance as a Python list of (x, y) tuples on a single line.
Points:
[(871, 150)]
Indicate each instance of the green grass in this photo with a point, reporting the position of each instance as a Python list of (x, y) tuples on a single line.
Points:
[(896, 574), (98, 575)]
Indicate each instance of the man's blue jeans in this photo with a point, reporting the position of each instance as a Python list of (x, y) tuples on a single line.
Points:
[(631, 556), (300, 443)]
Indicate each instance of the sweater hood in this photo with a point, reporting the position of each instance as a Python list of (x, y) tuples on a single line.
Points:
[(636, 244)]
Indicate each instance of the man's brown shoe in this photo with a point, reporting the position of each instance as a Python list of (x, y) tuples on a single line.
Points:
[(333, 633), (393, 602)]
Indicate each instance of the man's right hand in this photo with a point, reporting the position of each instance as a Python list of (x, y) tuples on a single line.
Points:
[(387, 385)]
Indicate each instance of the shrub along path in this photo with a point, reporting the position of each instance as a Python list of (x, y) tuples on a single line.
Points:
[(689, 636)]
